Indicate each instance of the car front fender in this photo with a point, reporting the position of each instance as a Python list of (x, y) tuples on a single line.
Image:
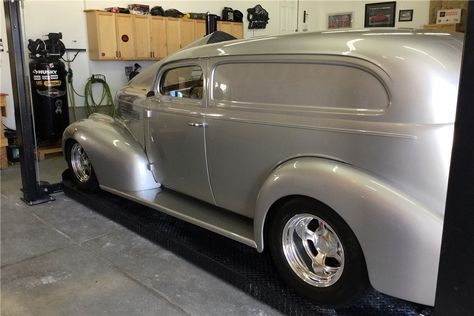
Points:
[(399, 237), (118, 160)]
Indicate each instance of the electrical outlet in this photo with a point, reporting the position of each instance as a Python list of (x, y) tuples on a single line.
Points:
[(128, 70)]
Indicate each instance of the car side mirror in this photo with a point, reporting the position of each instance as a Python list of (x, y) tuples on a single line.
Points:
[(150, 94)]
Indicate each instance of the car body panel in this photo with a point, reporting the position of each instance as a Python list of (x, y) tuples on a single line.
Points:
[(118, 159), (176, 143), (399, 237), (383, 170), (366, 139), (132, 114)]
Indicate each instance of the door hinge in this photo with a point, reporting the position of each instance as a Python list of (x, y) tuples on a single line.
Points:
[(147, 113)]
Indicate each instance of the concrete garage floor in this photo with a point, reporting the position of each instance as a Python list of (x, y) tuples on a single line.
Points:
[(61, 258)]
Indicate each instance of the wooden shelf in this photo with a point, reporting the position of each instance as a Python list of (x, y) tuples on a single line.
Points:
[(3, 104), (445, 27), (3, 140), (49, 150)]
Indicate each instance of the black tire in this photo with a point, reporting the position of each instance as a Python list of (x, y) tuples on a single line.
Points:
[(350, 280), (84, 179)]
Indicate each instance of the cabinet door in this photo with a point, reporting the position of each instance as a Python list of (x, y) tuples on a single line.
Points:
[(105, 40), (187, 32), (142, 37), (224, 27), (199, 29), (237, 30), (173, 35), (158, 37), (125, 36)]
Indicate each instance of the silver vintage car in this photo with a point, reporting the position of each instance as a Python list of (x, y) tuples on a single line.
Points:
[(331, 150)]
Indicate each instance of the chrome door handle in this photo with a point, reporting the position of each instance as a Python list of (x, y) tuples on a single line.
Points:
[(194, 124)]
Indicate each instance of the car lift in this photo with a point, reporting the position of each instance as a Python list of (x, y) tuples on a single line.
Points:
[(241, 265), (233, 262), (34, 191)]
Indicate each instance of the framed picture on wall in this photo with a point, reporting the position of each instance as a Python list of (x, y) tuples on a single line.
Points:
[(405, 15), (340, 20), (380, 14)]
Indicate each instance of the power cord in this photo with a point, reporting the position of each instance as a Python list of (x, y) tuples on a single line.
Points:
[(69, 77)]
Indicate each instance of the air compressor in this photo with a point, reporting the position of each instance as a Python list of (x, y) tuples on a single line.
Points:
[(49, 91)]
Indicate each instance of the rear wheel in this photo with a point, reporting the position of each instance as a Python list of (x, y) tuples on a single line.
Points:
[(317, 253), (81, 167)]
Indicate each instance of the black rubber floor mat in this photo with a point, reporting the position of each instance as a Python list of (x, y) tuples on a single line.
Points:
[(231, 261)]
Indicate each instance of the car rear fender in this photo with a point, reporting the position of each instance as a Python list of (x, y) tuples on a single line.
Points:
[(119, 161), (400, 238)]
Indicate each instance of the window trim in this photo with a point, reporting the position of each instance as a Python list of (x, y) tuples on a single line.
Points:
[(347, 61), (180, 64)]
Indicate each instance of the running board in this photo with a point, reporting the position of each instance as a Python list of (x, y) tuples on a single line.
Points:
[(191, 210)]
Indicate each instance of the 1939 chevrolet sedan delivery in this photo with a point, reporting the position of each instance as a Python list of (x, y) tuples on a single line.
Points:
[(329, 149)]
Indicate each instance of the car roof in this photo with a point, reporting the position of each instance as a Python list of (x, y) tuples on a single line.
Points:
[(366, 43), (420, 67), (383, 47)]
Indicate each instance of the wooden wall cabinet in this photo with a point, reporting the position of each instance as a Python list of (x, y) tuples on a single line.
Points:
[(143, 43), (158, 38), (235, 29), (199, 29), (187, 32), (111, 36), (126, 41), (173, 35), (102, 35), (114, 36)]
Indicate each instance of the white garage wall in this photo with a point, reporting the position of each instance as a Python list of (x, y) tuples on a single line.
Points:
[(318, 12), (5, 78), (42, 17), (68, 17)]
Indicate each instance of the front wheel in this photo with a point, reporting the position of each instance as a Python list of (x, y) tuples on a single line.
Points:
[(81, 167), (317, 253)]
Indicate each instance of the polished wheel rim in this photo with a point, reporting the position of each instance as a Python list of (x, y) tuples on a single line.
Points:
[(313, 250), (80, 163)]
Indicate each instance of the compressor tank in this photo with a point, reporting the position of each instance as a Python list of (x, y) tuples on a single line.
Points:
[(50, 103)]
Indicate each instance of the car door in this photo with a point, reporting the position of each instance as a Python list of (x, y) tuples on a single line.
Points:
[(176, 148)]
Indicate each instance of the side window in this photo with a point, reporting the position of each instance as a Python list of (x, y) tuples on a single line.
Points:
[(182, 82), (303, 85)]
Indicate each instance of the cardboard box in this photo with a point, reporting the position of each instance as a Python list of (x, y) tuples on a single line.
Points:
[(448, 16)]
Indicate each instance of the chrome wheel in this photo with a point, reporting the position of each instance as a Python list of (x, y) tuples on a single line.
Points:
[(80, 163), (313, 250)]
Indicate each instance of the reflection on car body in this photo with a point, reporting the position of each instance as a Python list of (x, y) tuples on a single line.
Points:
[(331, 150)]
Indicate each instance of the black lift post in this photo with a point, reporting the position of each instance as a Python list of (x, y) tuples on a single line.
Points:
[(455, 290), (33, 192)]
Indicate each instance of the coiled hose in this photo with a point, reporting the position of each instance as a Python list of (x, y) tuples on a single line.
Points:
[(106, 103)]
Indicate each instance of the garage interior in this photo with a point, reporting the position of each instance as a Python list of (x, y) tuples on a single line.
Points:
[(65, 258)]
